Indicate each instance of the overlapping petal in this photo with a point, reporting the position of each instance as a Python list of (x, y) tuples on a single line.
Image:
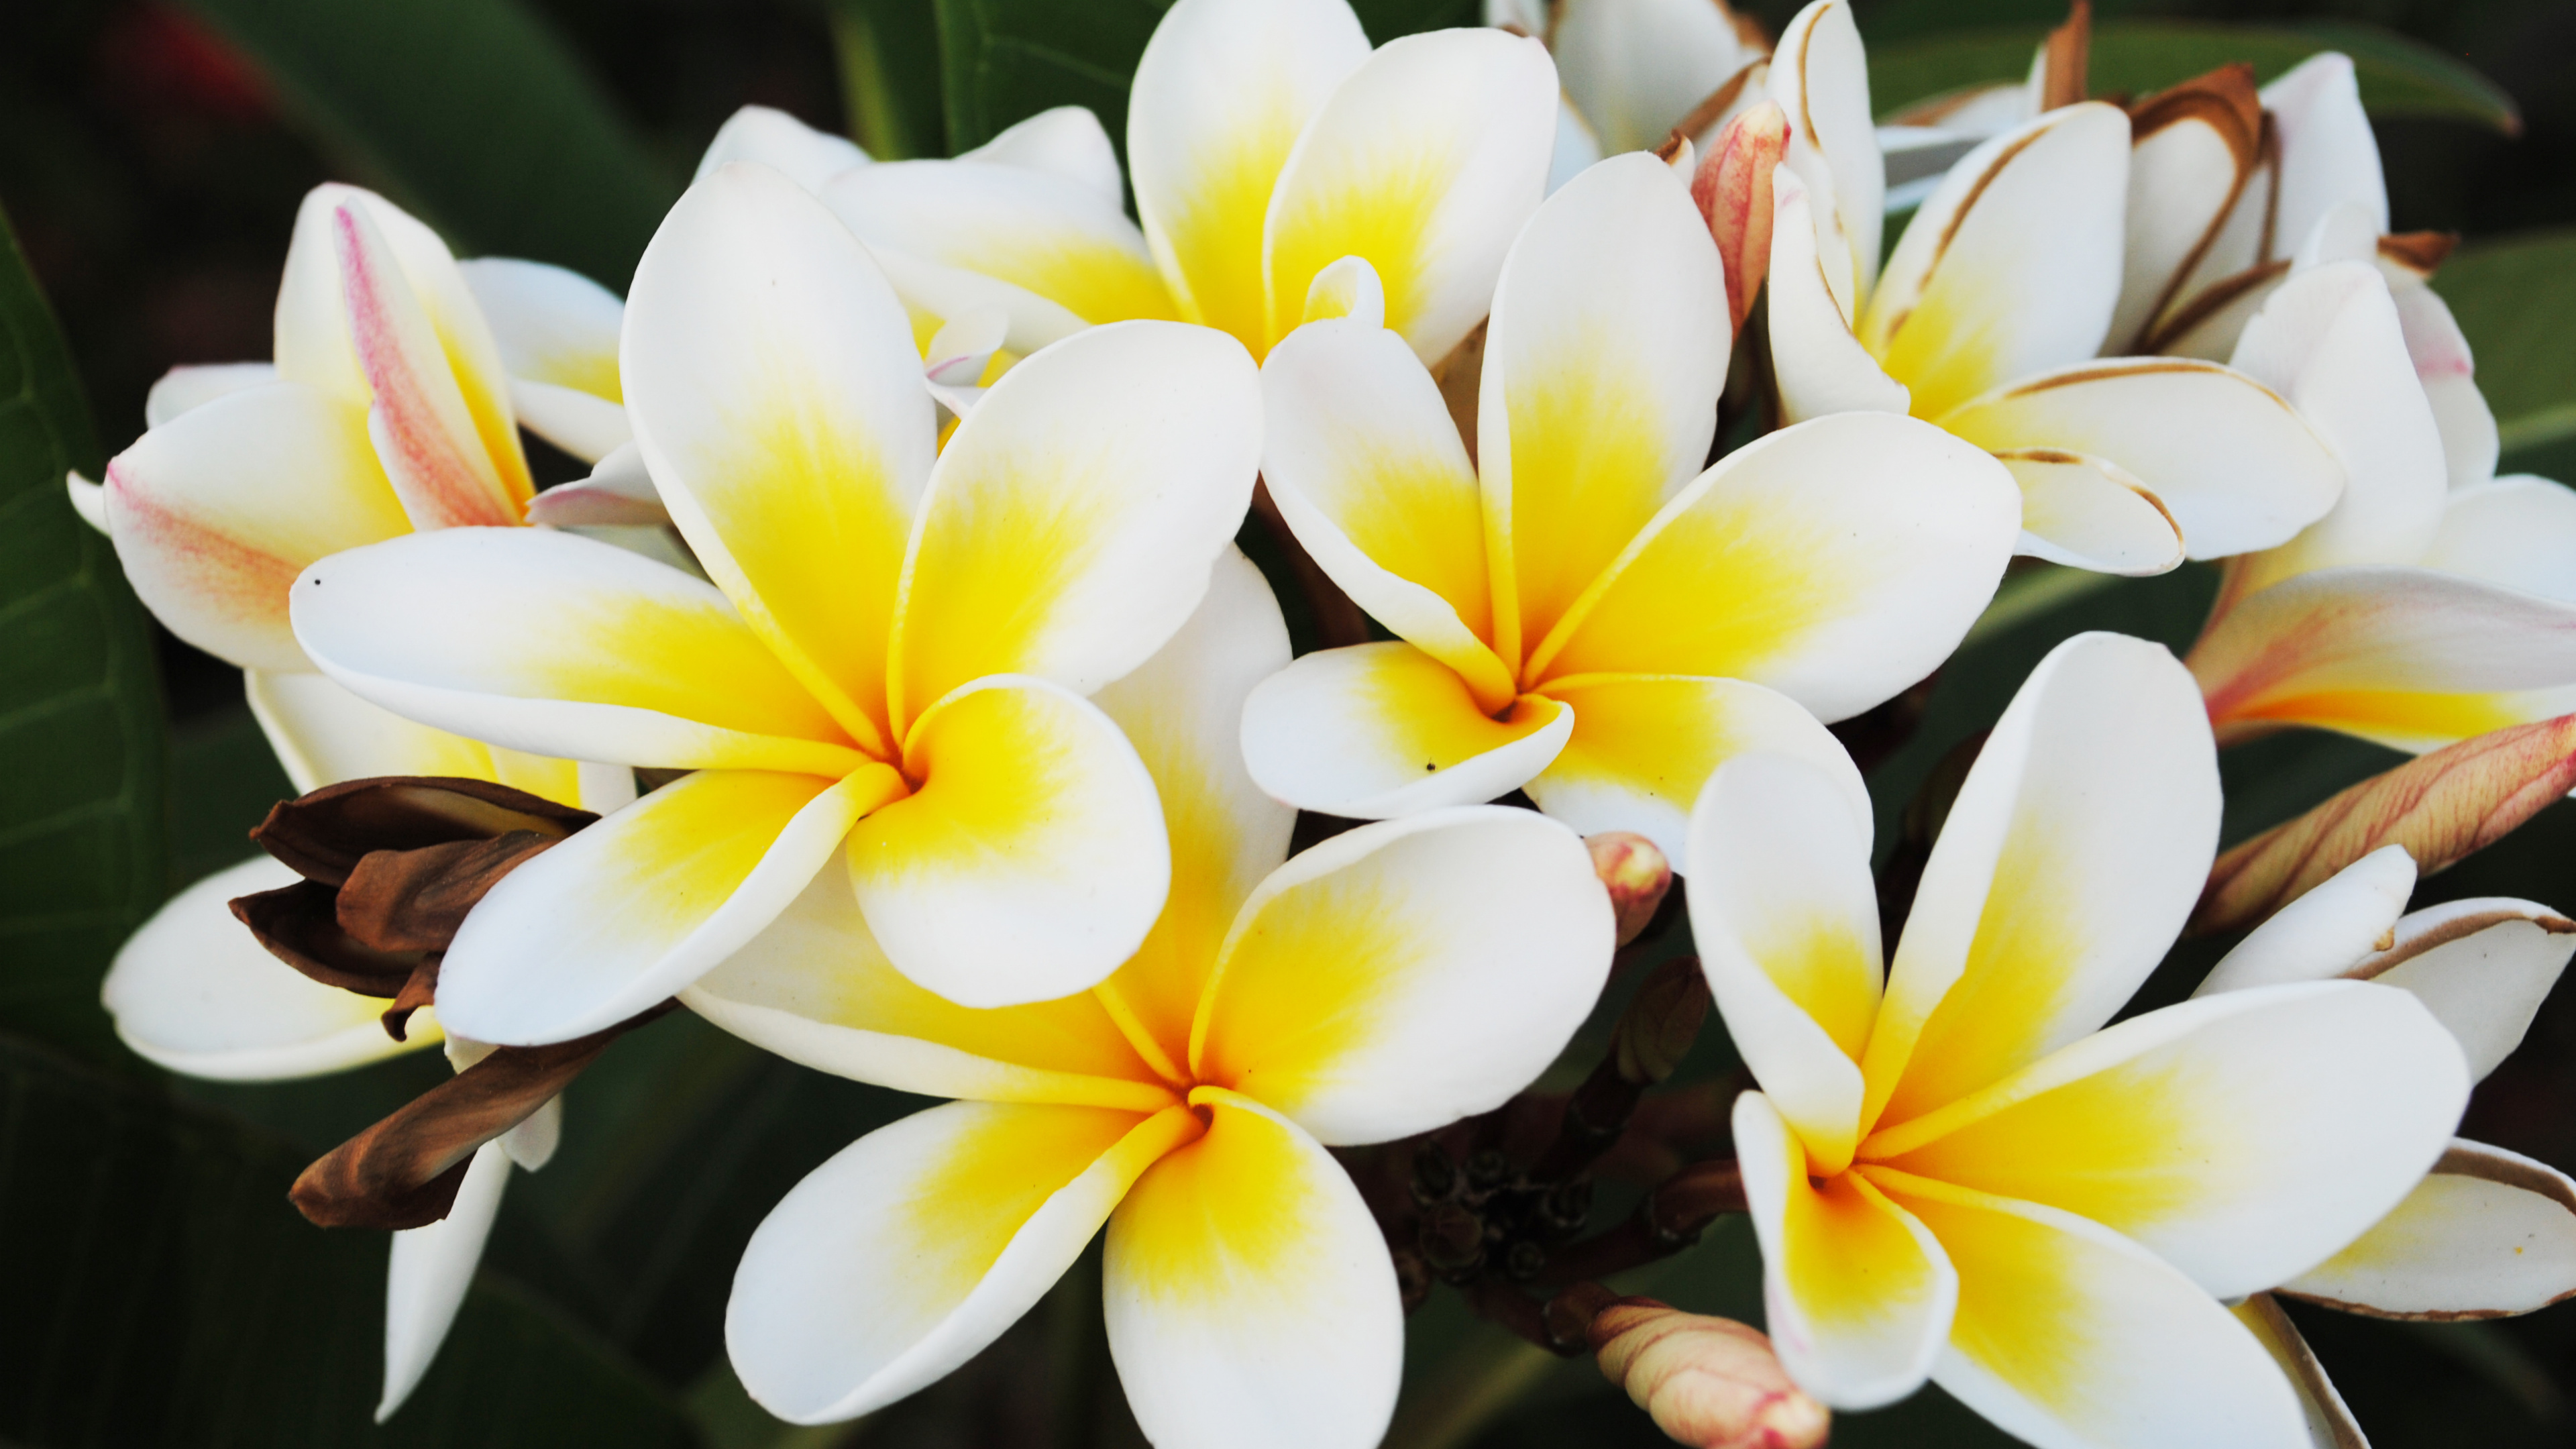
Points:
[(1222, 93), (1757, 571), (2013, 263), (323, 734), (2243, 1138), (1061, 141), (2325, 931), (2519, 532), (1378, 730), (1858, 1293), (1425, 160), (1817, 362), (1407, 974), (183, 389), (557, 331), (1820, 77), (2069, 861), (1603, 362), (1069, 527), (1785, 916), (2246, 473), (1249, 1295), (2068, 1334), (777, 399), (772, 138), (1029, 861), (2329, 157), (1635, 68), (2408, 657), (215, 512), (430, 1270), (917, 1245), (2486, 1234), (1644, 744), (559, 645), (2482, 965), (633, 908), (195, 992)]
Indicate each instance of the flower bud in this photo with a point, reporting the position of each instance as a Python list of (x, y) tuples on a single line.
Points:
[(1661, 1023), (1706, 1382), (1733, 189), (1636, 875)]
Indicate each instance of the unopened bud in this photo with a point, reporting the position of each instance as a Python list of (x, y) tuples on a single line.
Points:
[(1706, 1382), (1661, 1023), (1452, 1241), (1733, 189), (1636, 875)]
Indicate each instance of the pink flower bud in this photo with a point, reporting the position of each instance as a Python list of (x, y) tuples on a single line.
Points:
[(1733, 189), (1636, 875), (1707, 1382)]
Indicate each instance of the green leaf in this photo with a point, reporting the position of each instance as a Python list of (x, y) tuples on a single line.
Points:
[(83, 795), (223, 778), (2399, 76), (2516, 301), (162, 1292), (470, 112), (888, 53)]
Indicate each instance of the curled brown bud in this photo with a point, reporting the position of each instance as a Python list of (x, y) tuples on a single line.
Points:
[(1733, 189), (2066, 57), (1707, 1382), (1636, 875), (404, 1171)]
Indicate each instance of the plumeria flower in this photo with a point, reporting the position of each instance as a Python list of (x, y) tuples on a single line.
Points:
[(1987, 320), (2489, 1232), (2415, 614), (1961, 1173), (887, 675), (1586, 610), (1634, 71), (1387, 982), (1265, 141), (2229, 187)]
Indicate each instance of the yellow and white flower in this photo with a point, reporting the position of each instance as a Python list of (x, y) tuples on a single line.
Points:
[(2415, 613), (1585, 610), (1962, 1174), (1265, 141), (1987, 320), (1385, 983), (888, 673)]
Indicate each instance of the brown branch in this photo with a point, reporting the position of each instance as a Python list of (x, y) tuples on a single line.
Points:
[(1670, 1219)]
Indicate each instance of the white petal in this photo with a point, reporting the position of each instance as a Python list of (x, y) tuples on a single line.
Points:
[(553, 325), (2518, 531), (2442, 361), (428, 1275), (2329, 340), (1249, 1295), (1820, 77), (2091, 513), (2322, 933), (194, 991), (1636, 67), (2483, 965), (2488, 1233), (183, 388), (89, 500), (1379, 730), (582, 424), (782, 143), (918, 1244), (1064, 141), (1820, 366), (2328, 155), (1406, 974)]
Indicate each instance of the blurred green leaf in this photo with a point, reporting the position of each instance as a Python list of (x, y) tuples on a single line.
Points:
[(471, 112), (82, 798), (161, 1291), (2399, 76), (223, 778), (888, 53), (2516, 301)]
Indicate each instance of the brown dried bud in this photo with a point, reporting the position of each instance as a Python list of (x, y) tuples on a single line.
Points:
[(390, 868), (2067, 56), (1636, 875), (1707, 1382), (1733, 189), (1661, 1022), (404, 1171)]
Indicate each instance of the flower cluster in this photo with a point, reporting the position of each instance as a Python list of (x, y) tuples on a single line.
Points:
[(893, 695)]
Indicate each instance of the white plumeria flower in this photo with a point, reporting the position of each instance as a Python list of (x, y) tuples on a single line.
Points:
[(1988, 318), (2231, 189), (1634, 70), (1387, 982), (1586, 610), (1266, 141), (893, 656), (2414, 613), (1962, 1174)]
